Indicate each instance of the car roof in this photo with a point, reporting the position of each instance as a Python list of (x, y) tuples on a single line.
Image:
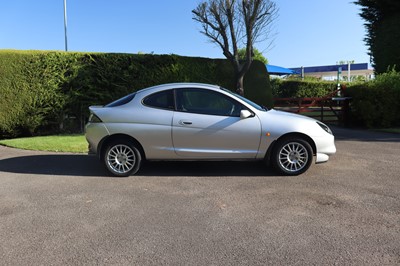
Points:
[(179, 85)]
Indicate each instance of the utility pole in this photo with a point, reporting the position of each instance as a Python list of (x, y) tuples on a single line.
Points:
[(348, 71), (338, 80), (65, 25)]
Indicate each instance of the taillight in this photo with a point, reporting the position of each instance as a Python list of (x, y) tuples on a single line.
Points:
[(94, 119)]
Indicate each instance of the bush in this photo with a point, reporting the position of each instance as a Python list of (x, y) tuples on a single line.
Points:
[(257, 86), (299, 88), (376, 104), (50, 92), (31, 90)]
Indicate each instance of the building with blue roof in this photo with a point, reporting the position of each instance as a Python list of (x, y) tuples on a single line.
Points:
[(330, 72)]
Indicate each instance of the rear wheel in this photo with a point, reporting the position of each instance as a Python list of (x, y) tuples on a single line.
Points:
[(122, 158), (292, 156)]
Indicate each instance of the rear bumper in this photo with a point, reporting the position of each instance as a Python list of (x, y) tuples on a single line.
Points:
[(94, 133)]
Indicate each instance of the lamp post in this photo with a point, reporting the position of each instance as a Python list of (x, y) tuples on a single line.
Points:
[(65, 25), (338, 80)]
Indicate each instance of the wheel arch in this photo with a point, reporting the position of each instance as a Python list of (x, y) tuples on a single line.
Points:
[(107, 140), (289, 135)]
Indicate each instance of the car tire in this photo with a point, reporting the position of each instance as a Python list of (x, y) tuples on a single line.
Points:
[(122, 158), (292, 156)]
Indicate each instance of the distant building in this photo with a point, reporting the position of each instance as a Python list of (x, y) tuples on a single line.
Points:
[(355, 71)]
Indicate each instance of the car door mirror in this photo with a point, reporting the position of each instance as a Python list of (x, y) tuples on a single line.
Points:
[(245, 114)]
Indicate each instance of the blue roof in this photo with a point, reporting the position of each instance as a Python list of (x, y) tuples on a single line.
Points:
[(277, 70), (331, 68)]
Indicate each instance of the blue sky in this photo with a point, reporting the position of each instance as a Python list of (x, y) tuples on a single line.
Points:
[(308, 32)]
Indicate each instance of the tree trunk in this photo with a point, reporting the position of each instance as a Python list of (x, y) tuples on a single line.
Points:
[(239, 84), (240, 71)]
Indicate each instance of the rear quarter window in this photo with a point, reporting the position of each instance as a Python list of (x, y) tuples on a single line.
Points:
[(122, 101)]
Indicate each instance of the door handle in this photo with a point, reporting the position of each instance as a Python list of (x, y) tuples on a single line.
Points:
[(185, 122)]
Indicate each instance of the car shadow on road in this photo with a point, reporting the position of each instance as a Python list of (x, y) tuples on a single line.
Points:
[(83, 165), (53, 164), (206, 168)]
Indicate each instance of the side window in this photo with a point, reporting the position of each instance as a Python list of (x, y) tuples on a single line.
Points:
[(162, 100), (122, 101), (208, 102)]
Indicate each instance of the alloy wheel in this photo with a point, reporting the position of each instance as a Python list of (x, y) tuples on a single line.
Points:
[(293, 157), (121, 159)]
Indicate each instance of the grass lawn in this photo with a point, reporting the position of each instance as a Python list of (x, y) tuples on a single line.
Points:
[(60, 143), (390, 130)]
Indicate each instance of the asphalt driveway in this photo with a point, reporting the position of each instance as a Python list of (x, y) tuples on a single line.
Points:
[(64, 209)]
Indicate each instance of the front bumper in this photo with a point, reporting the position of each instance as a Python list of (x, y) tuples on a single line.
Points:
[(325, 147)]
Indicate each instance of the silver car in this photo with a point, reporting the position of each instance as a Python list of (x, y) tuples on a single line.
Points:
[(189, 121)]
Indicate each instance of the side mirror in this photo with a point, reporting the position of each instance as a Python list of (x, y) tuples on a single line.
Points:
[(245, 114)]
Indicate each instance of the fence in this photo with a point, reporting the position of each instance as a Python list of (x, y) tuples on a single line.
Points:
[(331, 108)]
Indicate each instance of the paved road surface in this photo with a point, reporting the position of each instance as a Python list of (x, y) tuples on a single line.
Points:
[(60, 209)]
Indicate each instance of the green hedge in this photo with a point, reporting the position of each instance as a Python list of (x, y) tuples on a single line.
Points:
[(31, 90), (375, 104), (299, 88), (49, 92), (257, 85)]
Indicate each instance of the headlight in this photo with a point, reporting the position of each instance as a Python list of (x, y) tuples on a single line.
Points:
[(325, 127)]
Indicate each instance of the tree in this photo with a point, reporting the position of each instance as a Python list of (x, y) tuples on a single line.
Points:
[(257, 55), (231, 23), (383, 32)]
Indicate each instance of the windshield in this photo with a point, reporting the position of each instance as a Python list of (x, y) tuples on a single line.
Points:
[(258, 107)]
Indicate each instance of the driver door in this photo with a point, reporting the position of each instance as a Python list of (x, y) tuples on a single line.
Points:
[(207, 125)]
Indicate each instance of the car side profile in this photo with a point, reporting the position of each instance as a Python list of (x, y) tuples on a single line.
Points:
[(190, 121)]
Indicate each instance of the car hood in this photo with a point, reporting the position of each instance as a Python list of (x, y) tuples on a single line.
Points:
[(288, 115), (281, 122)]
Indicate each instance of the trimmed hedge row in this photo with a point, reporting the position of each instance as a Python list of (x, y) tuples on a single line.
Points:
[(375, 104), (31, 90), (300, 88), (49, 92)]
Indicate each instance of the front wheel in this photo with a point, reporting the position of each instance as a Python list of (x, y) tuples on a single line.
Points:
[(292, 156), (122, 158)]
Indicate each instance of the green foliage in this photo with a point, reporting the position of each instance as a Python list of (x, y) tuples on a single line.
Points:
[(375, 104), (257, 85), (301, 88), (31, 91), (50, 92), (257, 55), (383, 32)]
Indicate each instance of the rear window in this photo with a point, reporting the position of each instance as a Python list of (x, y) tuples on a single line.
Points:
[(122, 101)]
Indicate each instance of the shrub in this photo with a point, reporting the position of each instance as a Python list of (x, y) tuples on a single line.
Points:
[(50, 92), (376, 103), (257, 86), (299, 89), (31, 90)]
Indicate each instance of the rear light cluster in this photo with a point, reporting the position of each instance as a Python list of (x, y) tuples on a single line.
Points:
[(94, 119)]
